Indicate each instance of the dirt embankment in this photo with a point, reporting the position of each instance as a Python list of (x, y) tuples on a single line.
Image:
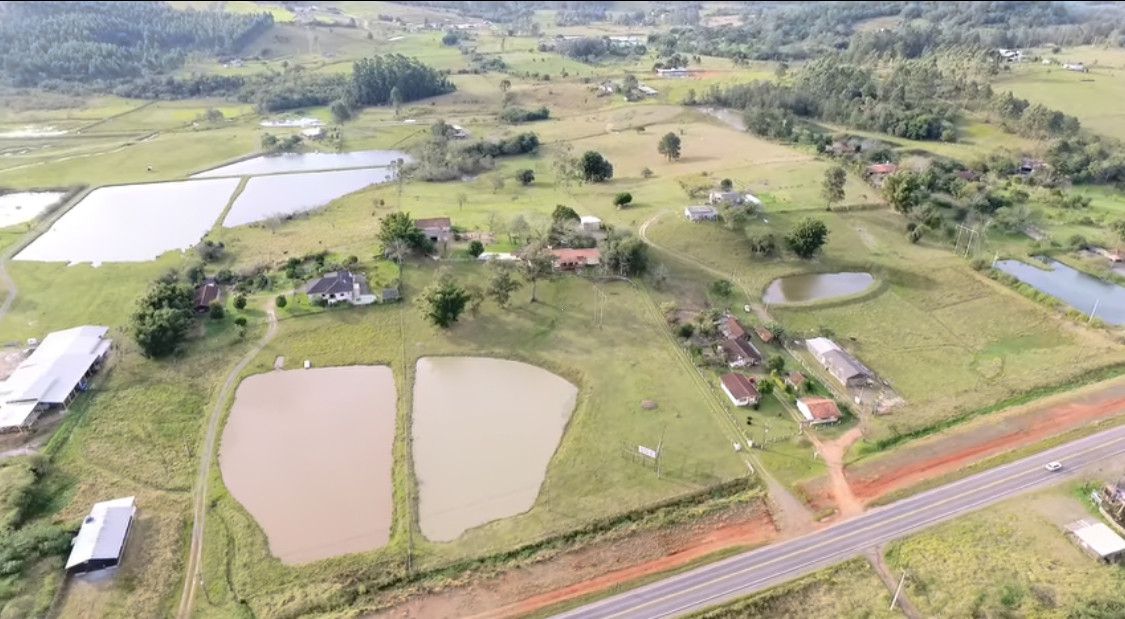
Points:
[(595, 568), (983, 438)]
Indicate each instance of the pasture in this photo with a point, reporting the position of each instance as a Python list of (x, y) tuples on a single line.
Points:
[(1013, 558)]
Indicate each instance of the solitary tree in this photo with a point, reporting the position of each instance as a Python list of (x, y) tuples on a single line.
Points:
[(833, 188), (525, 176), (340, 111), (563, 214), (721, 288), (476, 248), (281, 300), (240, 302), (538, 263), (216, 311), (765, 387), (903, 190), (595, 167), (162, 318), (622, 199), (443, 301), (505, 85), (502, 284), (776, 363), (726, 184), (399, 226), (807, 237), (396, 100), (669, 146)]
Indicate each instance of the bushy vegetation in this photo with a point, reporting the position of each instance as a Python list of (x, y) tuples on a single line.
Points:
[(163, 317), (92, 43), (515, 115), (444, 158)]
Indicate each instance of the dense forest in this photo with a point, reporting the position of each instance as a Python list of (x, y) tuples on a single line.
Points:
[(801, 31), (109, 43)]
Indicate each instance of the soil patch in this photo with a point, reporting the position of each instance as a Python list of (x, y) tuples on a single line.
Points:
[(595, 568), (983, 438), (308, 454)]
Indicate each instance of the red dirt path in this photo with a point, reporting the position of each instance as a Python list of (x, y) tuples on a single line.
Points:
[(593, 569)]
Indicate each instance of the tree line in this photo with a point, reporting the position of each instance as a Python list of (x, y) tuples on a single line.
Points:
[(108, 43)]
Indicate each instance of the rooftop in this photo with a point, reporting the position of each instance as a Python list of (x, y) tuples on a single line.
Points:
[(819, 409), (733, 327), (103, 532), (207, 293), (589, 257), (433, 222), (702, 210), (589, 219), (882, 168), (339, 282), (50, 373), (739, 349), (740, 387), (1098, 537)]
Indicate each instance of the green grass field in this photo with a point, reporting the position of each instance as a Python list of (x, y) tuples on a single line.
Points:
[(1010, 560)]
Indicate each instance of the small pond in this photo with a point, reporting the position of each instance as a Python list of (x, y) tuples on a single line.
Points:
[(287, 194), (133, 223), (1079, 290), (306, 162), (816, 287), (308, 454), (484, 432), (17, 208)]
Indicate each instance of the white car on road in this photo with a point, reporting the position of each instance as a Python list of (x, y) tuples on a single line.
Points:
[(1053, 466)]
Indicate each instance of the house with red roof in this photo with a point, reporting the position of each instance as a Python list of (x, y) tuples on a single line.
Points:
[(567, 259), (741, 389), (818, 410)]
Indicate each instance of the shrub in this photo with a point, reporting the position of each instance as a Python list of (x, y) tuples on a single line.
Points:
[(622, 199), (476, 248), (240, 302), (240, 321), (216, 311), (686, 330), (281, 300)]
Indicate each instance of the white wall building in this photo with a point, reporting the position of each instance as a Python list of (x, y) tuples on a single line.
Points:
[(52, 375), (100, 542), (590, 223)]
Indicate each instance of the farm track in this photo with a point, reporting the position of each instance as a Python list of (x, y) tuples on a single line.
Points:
[(193, 571)]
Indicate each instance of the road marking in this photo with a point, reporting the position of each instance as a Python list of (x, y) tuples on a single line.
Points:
[(875, 524)]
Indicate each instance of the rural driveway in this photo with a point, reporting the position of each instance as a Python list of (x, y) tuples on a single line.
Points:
[(193, 575), (753, 571)]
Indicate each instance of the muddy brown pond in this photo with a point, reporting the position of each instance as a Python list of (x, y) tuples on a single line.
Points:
[(484, 432), (816, 287), (308, 454)]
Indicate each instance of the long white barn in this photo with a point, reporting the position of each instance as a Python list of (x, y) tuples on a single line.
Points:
[(52, 375)]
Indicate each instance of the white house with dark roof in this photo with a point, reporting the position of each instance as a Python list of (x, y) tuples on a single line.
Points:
[(701, 213), (100, 542), (437, 229), (1098, 540), (341, 287), (52, 375)]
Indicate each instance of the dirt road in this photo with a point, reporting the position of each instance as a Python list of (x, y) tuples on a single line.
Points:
[(194, 570)]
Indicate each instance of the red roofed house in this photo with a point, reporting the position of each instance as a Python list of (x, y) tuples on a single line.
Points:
[(732, 328), (207, 293), (437, 229), (573, 259), (796, 380), (740, 389), (818, 410), (764, 334), (878, 172), (739, 353)]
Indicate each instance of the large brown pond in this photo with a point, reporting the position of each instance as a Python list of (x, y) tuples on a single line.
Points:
[(308, 454), (484, 432)]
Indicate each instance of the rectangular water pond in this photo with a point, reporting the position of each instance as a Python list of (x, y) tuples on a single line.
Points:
[(23, 206), (1079, 290), (306, 162), (133, 223), (308, 454), (287, 194)]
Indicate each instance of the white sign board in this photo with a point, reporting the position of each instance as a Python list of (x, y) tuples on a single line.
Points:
[(645, 451)]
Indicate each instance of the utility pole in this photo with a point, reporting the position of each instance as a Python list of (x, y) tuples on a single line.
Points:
[(898, 589)]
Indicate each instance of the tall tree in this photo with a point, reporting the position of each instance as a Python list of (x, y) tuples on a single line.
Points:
[(903, 190), (833, 188), (443, 301), (538, 263), (807, 237), (502, 284), (669, 146), (595, 167), (396, 100), (399, 226), (162, 318)]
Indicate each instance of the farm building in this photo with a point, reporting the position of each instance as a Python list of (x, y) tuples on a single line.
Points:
[(313, 133), (846, 369), (818, 410), (647, 91), (731, 328), (701, 213), (878, 172), (52, 375), (841, 365), (678, 72), (1098, 540), (437, 229), (1077, 67), (764, 334), (489, 256), (725, 197), (590, 223), (459, 132), (341, 287), (573, 259), (205, 294), (100, 542), (740, 389), (738, 353)]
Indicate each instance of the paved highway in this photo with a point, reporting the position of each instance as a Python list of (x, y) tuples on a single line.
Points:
[(753, 571)]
